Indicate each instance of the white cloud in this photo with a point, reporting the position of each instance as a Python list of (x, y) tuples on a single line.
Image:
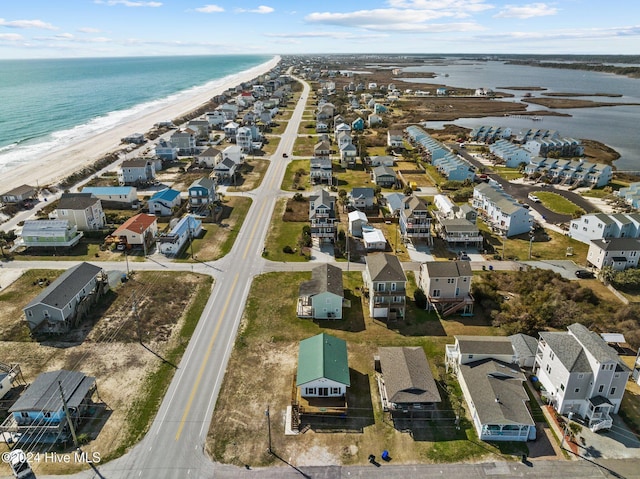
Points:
[(88, 30), (261, 9), (64, 36), (11, 37), (527, 11), (459, 6), (333, 35), (210, 9), (128, 3), (27, 24), (601, 33)]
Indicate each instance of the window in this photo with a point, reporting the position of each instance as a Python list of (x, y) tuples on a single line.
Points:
[(561, 387), (601, 388), (311, 390), (436, 293), (612, 392), (47, 414), (470, 356), (450, 281), (393, 286), (580, 376), (616, 375), (24, 414), (548, 368), (576, 390), (551, 355), (335, 390)]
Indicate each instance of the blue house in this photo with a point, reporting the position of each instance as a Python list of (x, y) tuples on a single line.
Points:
[(39, 416), (187, 228), (162, 203), (202, 192), (357, 124)]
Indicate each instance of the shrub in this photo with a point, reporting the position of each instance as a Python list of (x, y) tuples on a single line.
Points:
[(287, 249)]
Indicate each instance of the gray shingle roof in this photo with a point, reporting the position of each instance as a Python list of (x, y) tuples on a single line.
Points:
[(44, 394), (458, 225), (524, 345), (66, 286), (407, 375), (325, 277), (384, 267), (618, 244), (498, 345), (594, 343), (497, 392), (448, 269), (568, 351), (77, 201)]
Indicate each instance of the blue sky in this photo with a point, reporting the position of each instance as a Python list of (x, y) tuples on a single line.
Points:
[(89, 28)]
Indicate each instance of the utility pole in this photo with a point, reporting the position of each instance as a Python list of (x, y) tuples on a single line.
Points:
[(269, 450), (66, 413), (136, 317)]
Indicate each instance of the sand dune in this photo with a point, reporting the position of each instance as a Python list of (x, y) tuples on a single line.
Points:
[(56, 165)]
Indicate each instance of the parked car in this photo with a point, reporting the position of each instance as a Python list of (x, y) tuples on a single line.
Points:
[(284, 155), (533, 198), (584, 274)]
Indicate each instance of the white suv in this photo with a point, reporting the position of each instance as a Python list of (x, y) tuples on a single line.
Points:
[(533, 198)]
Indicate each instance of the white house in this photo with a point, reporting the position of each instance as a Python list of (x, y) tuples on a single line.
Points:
[(362, 198), (323, 367), (209, 158), (234, 153), (139, 230), (357, 219), (113, 195), (395, 139), (618, 253), (604, 226), (492, 386), (163, 202), (374, 239), (187, 228), (581, 375), (323, 295), (501, 211)]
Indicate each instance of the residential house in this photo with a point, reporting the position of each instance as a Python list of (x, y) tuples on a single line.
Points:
[(362, 198), (216, 119), (320, 171), (630, 194), (384, 176), (322, 297), (202, 192), (395, 139), (358, 124), (135, 138), (244, 139), (230, 130), (200, 127), (139, 230), (189, 227), (209, 158), (602, 226), (459, 232), (322, 149), (44, 410), (163, 202), (570, 172), (357, 219), (382, 160), (373, 239), (581, 375), (63, 304), (184, 141), (492, 385), (394, 202), (385, 281), (81, 209), (373, 119), (512, 155), (348, 154), (501, 212), (233, 153), (617, 253), (322, 127), (114, 196), (415, 220), (488, 134), (48, 234), (138, 171), (230, 111), (406, 383), (322, 215), (323, 367), (447, 286), (225, 170), (20, 194)]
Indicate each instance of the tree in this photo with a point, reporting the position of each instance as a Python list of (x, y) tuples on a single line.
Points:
[(420, 298), (342, 198)]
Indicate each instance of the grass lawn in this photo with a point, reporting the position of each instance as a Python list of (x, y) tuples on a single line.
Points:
[(558, 204), (292, 167), (281, 234), (269, 336), (270, 148), (218, 238), (596, 193), (307, 127), (303, 145), (349, 178), (508, 173), (85, 250), (434, 175), (541, 249), (252, 173)]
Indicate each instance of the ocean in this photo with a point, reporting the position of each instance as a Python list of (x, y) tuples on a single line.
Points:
[(46, 104), (614, 126)]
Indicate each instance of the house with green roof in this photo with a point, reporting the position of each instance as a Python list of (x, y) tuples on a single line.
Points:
[(323, 367)]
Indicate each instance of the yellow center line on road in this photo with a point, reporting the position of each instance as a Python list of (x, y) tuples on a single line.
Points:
[(206, 358), (253, 232)]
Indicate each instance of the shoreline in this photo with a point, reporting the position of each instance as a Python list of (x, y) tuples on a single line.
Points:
[(54, 166)]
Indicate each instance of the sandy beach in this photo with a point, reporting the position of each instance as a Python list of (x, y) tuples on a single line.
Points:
[(54, 166)]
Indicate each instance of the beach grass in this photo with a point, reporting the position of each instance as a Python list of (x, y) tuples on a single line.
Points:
[(281, 234), (289, 175)]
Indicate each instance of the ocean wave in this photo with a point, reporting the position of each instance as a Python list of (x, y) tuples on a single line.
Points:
[(26, 150)]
